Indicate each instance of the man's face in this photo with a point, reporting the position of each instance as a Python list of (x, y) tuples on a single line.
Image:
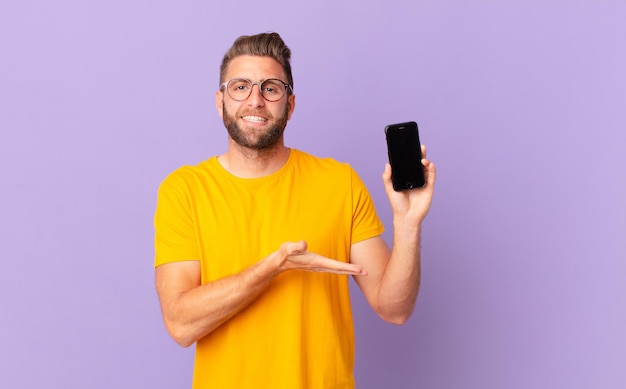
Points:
[(255, 123)]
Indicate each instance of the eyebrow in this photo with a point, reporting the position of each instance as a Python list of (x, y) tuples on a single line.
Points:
[(261, 81)]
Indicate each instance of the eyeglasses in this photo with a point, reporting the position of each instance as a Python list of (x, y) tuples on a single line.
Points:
[(240, 89)]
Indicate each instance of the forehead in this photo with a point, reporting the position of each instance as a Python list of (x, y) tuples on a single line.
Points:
[(254, 68)]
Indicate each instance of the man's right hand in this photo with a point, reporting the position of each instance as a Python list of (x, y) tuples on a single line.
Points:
[(294, 256)]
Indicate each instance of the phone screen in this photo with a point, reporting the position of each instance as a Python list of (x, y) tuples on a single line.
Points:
[(405, 156)]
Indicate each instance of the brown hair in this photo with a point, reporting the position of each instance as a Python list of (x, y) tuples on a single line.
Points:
[(263, 45)]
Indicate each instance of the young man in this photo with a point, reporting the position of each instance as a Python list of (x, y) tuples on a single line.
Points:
[(254, 246)]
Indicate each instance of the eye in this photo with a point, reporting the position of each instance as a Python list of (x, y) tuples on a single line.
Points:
[(273, 87), (239, 85)]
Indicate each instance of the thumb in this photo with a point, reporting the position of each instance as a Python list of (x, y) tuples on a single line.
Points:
[(294, 248), (387, 179)]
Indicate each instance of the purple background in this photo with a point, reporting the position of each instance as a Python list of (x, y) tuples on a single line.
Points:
[(522, 105)]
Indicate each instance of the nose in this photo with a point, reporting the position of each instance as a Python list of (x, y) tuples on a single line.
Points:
[(256, 98)]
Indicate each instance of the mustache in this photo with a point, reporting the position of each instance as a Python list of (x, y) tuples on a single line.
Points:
[(255, 112)]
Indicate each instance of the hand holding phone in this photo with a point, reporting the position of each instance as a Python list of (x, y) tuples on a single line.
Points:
[(405, 156)]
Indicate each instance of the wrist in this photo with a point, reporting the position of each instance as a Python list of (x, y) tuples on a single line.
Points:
[(407, 225), (275, 264)]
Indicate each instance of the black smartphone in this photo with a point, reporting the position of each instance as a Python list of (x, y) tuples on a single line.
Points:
[(405, 156)]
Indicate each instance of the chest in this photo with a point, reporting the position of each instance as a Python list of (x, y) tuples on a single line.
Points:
[(239, 225)]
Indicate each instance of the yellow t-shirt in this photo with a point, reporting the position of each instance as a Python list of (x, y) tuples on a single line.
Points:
[(298, 333)]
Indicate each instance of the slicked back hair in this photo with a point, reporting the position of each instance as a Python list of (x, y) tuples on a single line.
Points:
[(262, 45)]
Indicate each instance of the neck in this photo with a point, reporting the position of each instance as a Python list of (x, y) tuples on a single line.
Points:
[(244, 162)]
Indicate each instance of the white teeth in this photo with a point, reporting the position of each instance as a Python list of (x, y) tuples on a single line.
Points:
[(254, 119)]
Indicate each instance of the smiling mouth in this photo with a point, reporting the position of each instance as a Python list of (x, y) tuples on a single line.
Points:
[(255, 119)]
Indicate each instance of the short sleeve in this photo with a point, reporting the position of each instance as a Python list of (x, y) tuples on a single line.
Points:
[(365, 221), (175, 236)]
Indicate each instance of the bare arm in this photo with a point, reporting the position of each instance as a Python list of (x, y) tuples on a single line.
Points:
[(393, 282), (191, 310)]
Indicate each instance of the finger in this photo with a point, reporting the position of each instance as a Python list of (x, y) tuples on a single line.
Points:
[(293, 248), (423, 148), (347, 272), (337, 267), (431, 173), (387, 179), (360, 272), (314, 262), (387, 173)]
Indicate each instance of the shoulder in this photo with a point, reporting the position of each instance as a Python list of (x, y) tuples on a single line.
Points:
[(323, 163), (329, 171), (187, 176)]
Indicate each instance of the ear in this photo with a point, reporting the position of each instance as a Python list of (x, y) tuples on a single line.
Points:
[(291, 104), (219, 103)]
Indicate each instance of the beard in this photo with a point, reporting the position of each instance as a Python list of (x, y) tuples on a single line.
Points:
[(256, 140)]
